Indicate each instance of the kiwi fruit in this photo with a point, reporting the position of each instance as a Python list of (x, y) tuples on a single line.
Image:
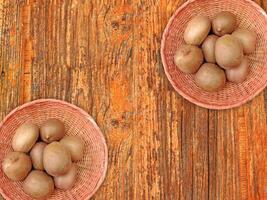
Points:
[(247, 38), (56, 159), (38, 184), (16, 166), (75, 145), (67, 180), (188, 58), (25, 137), (208, 48), (210, 77), (228, 52), (197, 30), (224, 23), (238, 74), (52, 130), (37, 155)]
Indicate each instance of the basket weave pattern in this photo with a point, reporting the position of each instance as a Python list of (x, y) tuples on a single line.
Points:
[(77, 122), (250, 16)]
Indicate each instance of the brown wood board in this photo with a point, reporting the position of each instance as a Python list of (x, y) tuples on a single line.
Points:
[(104, 56)]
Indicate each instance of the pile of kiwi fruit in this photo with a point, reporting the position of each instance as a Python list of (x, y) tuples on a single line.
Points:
[(215, 51), (43, 158)]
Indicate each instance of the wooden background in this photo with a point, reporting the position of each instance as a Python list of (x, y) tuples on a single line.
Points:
[(103, 55)]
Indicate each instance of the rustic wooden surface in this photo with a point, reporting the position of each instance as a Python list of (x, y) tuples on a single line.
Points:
[(103, 55)]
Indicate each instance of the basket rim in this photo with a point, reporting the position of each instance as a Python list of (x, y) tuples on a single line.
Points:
[(178, 90), (82, 112)]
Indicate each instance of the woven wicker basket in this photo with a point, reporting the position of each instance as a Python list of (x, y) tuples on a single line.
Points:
[(77, 122), (250, 16)]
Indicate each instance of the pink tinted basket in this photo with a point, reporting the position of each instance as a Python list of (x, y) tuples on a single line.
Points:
[(250, 16), (77, 122)]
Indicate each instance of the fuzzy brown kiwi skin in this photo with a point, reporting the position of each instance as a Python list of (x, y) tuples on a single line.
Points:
[(224, 23), (75, 145), (67, 180), (25, 137), (16, 165), (36, 154), (56, 159), (52, 130), (247, 38), (197, 30), (210, 77), (188, 58), (38, 184), (228, 52), (208, 48), (239, 74)]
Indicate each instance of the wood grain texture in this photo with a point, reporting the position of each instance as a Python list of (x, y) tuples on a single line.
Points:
[(103, 55)]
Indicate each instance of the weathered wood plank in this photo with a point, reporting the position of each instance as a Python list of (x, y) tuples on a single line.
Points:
[(104, 57)]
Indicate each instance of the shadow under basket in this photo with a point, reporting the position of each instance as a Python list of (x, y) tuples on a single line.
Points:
[(250, 16), (77, 122)]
